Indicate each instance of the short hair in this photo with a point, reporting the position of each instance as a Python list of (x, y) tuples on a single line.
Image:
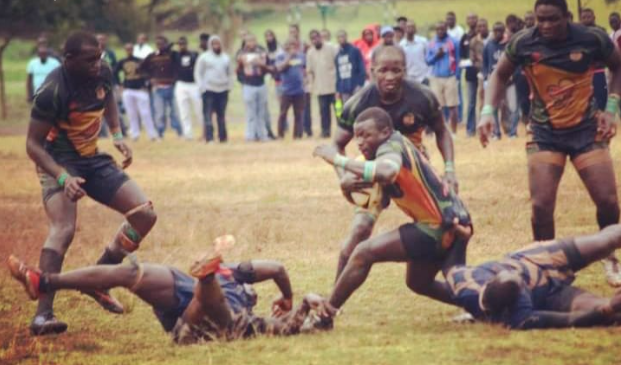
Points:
[(451, 13), (587, 10), (381, 49), (161, 37), (314, 31), (204, 36), (397, 29), (402, 18), (500, 295), (75, 41), (182, 39), (615, 14), (379, 116), (511, 18), (561, 4), (498, 24)]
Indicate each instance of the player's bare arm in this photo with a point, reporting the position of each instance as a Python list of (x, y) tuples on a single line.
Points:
[(111, 114), (272, 270), (607, 120), (444, 142)]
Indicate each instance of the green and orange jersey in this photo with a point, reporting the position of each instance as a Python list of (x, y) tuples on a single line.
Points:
[(75, 111), (418, 190), (560, 73)]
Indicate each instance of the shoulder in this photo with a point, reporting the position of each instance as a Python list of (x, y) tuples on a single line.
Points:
[(47, 101)]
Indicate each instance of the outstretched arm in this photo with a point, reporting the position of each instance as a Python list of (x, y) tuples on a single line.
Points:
[(274, 270), (111, 113), (549, 319)]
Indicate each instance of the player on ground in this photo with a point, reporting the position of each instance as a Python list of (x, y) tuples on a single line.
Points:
[(531, 288), (413, 108), (65, 121), (217, 305), (407, 178), (559, 58)]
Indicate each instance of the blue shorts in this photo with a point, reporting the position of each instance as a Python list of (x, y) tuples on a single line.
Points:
[(184, 292)]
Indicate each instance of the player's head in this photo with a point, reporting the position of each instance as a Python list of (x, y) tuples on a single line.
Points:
[(161, 42), (615, 21), (552, 18), (501, 293), (388, 68), (82, 55), (498, 31), (372, 128), (587, 17), (182, 42), (129, 49)]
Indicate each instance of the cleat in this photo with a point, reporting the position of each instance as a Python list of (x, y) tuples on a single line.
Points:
[(463, 318), (27, 276), (206, 265), (45, 324), (323, 323), (613, 271), (106, 301)]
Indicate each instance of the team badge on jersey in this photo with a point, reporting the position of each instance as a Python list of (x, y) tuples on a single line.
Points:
[(575, 56), (100, 92), (409, 120)]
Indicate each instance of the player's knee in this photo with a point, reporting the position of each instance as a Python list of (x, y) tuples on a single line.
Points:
[(417, 286), (362, 255), (62, 234), (143, 217), (361, 231)]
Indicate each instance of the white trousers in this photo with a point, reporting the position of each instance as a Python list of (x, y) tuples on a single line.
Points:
[(138, 109), (190, 105)]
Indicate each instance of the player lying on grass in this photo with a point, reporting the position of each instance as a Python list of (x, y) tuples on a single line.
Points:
[(441, 221), (216, 306), (532, 287)]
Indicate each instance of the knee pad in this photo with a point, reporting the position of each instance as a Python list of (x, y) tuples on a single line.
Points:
[(148, 206), (128, 237), (139, 272)]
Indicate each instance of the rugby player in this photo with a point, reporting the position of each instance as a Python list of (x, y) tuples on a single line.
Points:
[(559, 58), (532, 288), (65, 121), (214, 303), (413, 109), (440, 224)]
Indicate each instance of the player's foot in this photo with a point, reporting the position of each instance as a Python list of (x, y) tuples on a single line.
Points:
[(208, 264), (612, 268), (106, 301), (46, 323), (463, 318), (29, 277)]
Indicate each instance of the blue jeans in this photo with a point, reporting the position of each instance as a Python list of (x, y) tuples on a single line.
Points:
[(255, 98), (164, 100), (471, 125)]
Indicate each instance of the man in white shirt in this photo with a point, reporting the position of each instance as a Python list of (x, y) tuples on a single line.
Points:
[(141, 48), (615, 23), (415, 48), (453, 29), (38, 69)]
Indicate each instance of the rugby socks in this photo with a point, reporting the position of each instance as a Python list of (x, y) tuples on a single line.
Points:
[(50, 262), (110, 258)]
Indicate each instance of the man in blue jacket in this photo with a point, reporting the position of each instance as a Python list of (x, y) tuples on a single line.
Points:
[(350, 71)]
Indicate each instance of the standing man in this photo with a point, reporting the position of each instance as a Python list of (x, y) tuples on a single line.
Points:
[(350, 72), (160, 68), (273, 49), (477, 45), (203, 41), (453, 29), (443, 57), (142, 49), (615, 24), (65, 121), (413, 108), (186, 90), (564, 123), (307, 122), (107, 54), (38, 68), (321, 71), (471, 72), (494, 49), (415, 49), (252, 64), (214, 77), (291, 65), (135, 95), (529, 20), (387, 36)]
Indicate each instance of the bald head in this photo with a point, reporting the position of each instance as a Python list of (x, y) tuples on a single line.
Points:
[(387, 52)]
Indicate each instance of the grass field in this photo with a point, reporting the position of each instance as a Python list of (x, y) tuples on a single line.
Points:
[(282, 204)]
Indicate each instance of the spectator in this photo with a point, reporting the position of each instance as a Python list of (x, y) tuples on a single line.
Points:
[(513, 25), (366, 43), (291, 66), (350, 73), (141, 48), (477, 44), (213, 74), (454, 30), (402, 22), (321, 71), (600, 85), (494, 48), (415, 48), (388, 36), (252, 63), (38, 68), (203, 41), (529, 19), (615, 24), (135, 95), (187, 95), (471, 72), (273, 50), (160, 68), (42, 41), (294, 33), (326, 37), (107, 54), (442, 56), (398, 34)]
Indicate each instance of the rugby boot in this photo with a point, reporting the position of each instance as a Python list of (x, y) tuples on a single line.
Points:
[(106, 301), (29, 277), (45, 324)]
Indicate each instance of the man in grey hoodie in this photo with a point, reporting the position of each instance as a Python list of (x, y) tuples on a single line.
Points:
[(214, 78)]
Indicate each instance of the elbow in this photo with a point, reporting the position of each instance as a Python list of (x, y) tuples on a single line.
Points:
[(386, 174)]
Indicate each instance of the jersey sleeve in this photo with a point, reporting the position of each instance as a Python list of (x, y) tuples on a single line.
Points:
[(606, 47), (389, 147), (513, 50), (348, 116), (244, 273), (46, 104)]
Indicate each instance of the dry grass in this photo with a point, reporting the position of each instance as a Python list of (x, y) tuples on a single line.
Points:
[(282, 204)]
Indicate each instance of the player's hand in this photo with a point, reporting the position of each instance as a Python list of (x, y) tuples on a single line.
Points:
[(450, 183), (281, 306), (440, 52), (73, 190), (351, 182), (327, 152), (606, 125), (126, 151), (485, 128)]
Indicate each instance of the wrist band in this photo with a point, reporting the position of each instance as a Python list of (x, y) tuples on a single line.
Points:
[(62, 178), (341, 161), (117, 136), (449, 166), (369, 172), (612, 106), (487, 110)]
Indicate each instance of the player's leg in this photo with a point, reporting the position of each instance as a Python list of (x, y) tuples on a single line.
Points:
[(221, 100), (597, 172), (61, 213), (382, 248), (573, 299), (361, 229), (545, 169), (285, 103), (598, 246), (420, 277)]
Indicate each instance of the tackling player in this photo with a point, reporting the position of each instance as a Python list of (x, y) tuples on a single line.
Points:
[(62, 136)]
